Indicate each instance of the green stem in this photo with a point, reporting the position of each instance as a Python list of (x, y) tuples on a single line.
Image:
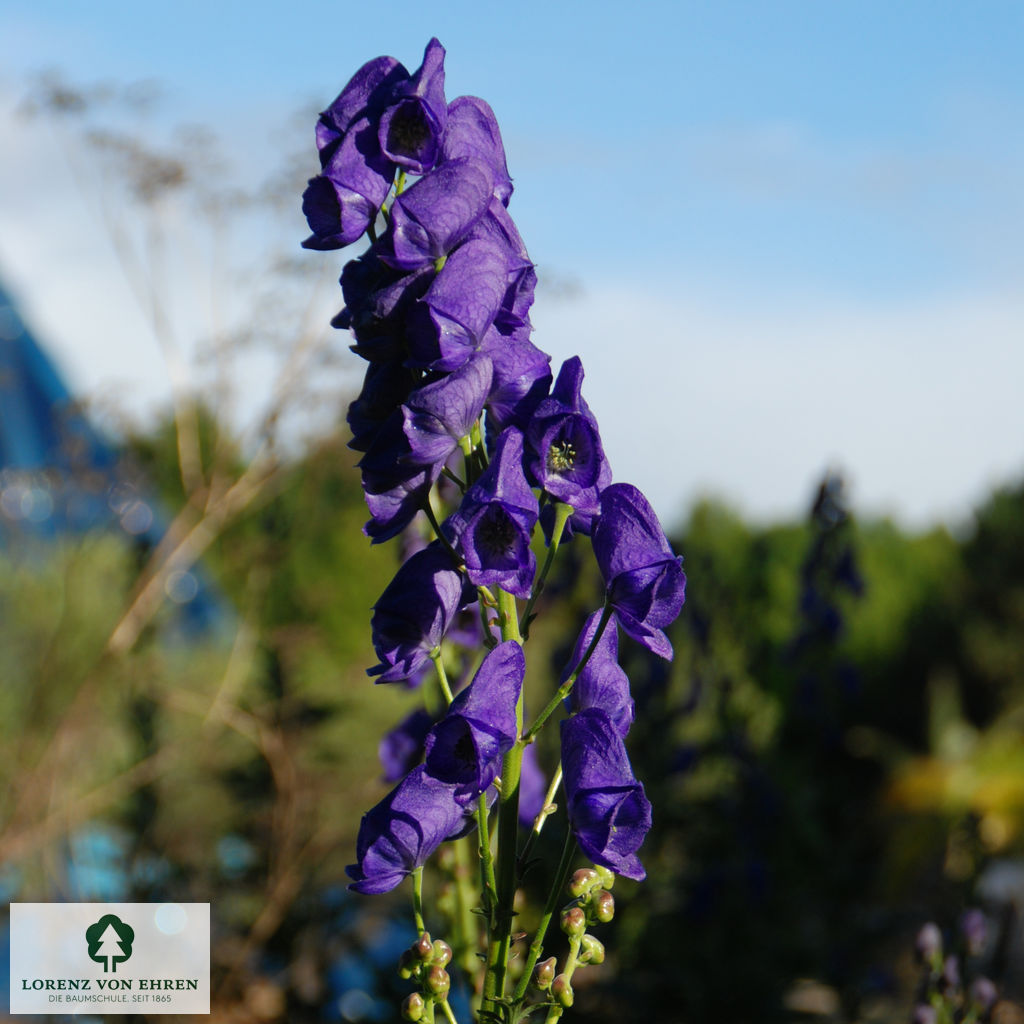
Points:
[(566, 688), (428, 510), (417, 900), (486, 858), (547, 809), (562, 513), (442, 676), (448, 1012), (537, 946)]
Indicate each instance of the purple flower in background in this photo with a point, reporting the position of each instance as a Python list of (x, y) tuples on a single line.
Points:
[(567, 458), (608, 811), (645, 581), (473, 132), (437, 415), (403, 830), (602, 683), (466, 747), (491, 529), (533, 786), (401, 749), (413, 614), (412, 127), (429, 219)]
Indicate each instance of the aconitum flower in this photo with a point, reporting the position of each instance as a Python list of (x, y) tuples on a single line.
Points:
[(603, 683), (608, 811), (522, 377), (466, 747), (436, 416), (645, 581), (413, 614), (567, 458), (491, 528), (473, 132), (412, 127), (403, 830), (429, 219)]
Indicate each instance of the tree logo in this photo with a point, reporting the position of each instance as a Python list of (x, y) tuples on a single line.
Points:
[(110, 942)]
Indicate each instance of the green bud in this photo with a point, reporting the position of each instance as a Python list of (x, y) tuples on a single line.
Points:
[(438, 982), (607, 877), (545, 973), (423, 947), (405, 964), (592, 951), (561, 989), (573, 921), (442, 955), (602, 904), (413, 1006), (583, 881)]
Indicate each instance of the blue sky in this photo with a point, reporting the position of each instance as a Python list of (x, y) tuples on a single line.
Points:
[(794, 228)]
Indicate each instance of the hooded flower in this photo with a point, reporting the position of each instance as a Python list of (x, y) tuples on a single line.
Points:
[(567, 458), (401, 749), (608, 811), (436, 416), (403, 830), (602, 683), (645, 581), (413, 614), (491, 529), (466, 747), (473, 132), (413, 126)]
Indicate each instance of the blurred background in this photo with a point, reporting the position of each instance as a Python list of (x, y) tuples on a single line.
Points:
[(784, 240)]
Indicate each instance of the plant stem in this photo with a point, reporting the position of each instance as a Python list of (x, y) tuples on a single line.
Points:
[(566, 688), (562, 513), (417, 900), (437, 658), (547, 809), (537, 946)]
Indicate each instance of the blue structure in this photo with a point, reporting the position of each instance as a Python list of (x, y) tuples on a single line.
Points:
[(59, 476)]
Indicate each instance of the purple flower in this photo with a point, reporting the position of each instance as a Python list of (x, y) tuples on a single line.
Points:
[(983, 993), (366, 95), (385, 387), (403, 830), (533, 786), (429, 219), (645, 581), (522, 377), (437, 415), (448, 324), (411, 129), (413, 614), (466, 747), (608, 811), (492, 527), (602, 683), (473, 132), (341, 203), (567, 458), (401, 749)]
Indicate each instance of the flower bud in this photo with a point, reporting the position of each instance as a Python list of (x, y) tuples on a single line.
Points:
[(423, 947), (592, 951), (602, 904), (583, 881), (438, 982), (925, 1014), (413, 1006), (405, 964), (561, 989), (573, 921), (607, 877), (545, 973), (442, 955), (975, 931)]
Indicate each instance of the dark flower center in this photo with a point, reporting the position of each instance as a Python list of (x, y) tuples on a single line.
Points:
[(465, 752), (408, 131), (561, 456), (497, 532)]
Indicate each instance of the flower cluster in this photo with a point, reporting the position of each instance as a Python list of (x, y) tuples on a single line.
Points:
[(458, 400), (943, 995)]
